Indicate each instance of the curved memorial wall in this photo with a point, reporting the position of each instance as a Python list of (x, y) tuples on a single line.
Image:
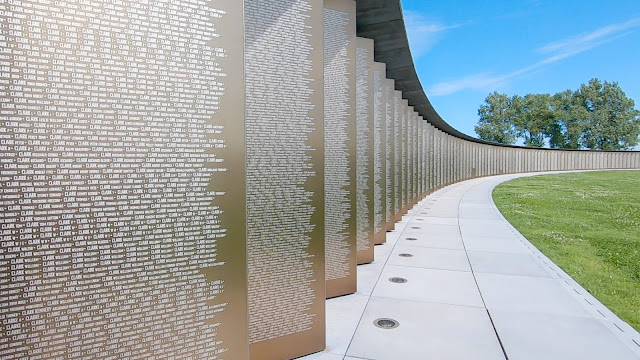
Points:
[(192, 178)]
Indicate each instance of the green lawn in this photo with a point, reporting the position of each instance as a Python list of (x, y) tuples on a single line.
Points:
[(589, 225)]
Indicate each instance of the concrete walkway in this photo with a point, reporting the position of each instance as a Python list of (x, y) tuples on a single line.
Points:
[(476, 289)]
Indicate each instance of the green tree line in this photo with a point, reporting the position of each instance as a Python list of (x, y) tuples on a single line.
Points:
[(598, 115)]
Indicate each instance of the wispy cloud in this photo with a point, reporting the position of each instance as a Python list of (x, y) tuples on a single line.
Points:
[(555, 51), (584, 42), (423, 34), (471, 82)]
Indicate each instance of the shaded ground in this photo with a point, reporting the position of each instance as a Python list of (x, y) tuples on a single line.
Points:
[(589, 225)]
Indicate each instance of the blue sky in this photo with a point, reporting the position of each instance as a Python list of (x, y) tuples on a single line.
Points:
[(464, 50)]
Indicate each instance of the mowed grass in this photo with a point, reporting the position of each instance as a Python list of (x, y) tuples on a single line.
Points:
[(589, 225)]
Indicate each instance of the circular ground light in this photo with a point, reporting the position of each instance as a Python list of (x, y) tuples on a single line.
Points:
[(416, 227), (405, 255), (411, 239), (386, 323), (398, 280)]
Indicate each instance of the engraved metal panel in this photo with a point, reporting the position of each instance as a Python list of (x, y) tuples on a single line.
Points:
[(454, 158), (379, 153), (397, 154), (449, 163), (364, 150), (426, 155), (416, 164), (431, 157), (449, 167), (340, 146), (418, 138), (285, 177), (420, 156), (445, 155), (437, 160), (389, 154), (444, 158), (409, 151), (404, 135), (412, 150), (440, 159), (122, 180), (425, 158)]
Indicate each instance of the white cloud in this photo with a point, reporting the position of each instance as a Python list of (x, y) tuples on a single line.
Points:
[(471, 82), (555, 51), (577, 44), (422, 33)]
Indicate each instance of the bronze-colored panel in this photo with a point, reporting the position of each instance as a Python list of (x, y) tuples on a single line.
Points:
[(285, 177), (431, 161), (445, 156), (459, 156), (340, 146), (405, 156), (397, 154), (452, 146), (412, 150), (379, 153), (454, 157), (364, 150), (410, 165), (436, 161), (439, 159), (420, 157), (425, 158), (416, 158), (449, 167), (390, 159), (448, 153), (123, 218), (447, 159), (428, 152), (465, 159)]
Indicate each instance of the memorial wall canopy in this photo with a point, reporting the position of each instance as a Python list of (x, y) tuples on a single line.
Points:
[(377, 11)]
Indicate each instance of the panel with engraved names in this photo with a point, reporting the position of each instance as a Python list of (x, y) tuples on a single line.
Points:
[(123, 180)]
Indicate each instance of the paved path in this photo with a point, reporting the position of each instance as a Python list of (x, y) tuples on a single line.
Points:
[(476, 289)]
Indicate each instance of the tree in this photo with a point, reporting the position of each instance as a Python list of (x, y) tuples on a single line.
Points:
[(568, 128), (534, 118), (610, 120), (596, 116), (496, 119)]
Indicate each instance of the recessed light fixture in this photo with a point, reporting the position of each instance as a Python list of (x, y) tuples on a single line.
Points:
[(386, 323)]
